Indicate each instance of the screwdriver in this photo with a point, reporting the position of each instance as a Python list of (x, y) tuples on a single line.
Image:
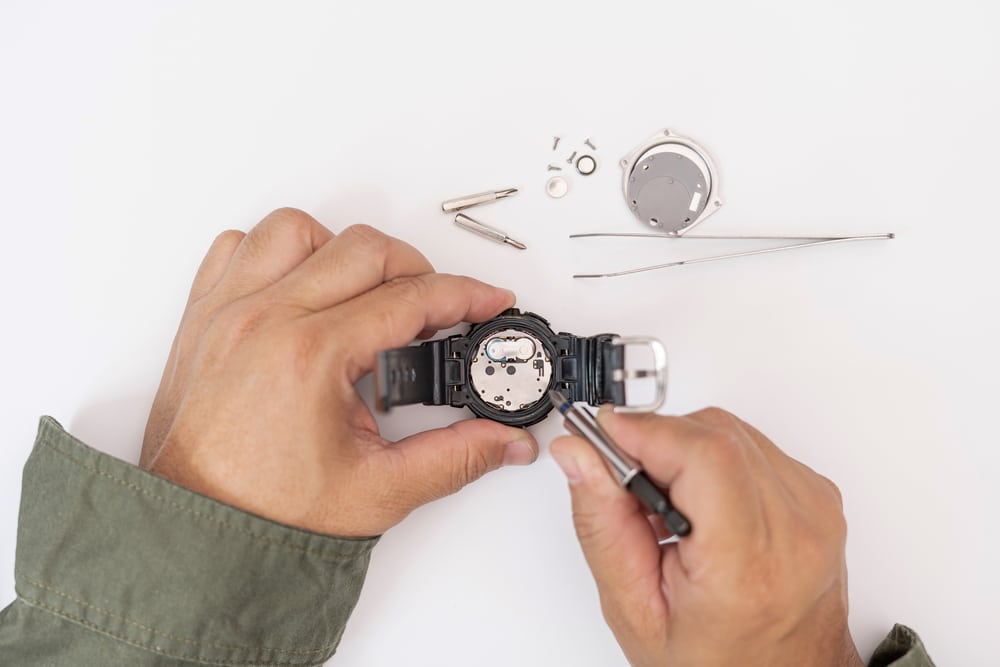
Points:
[(491, 233), (459, 203), (628, 471)]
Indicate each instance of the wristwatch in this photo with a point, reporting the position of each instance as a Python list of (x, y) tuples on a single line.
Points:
[(502, 369)]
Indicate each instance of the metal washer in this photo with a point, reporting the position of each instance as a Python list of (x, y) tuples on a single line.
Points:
[(586, 165)]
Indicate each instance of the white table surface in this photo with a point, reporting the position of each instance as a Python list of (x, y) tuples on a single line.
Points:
[(132, 133)]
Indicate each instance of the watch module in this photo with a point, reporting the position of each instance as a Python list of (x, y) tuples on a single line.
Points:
[(511, 370)]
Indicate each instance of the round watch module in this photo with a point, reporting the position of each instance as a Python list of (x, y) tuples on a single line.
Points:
[(511, 370)]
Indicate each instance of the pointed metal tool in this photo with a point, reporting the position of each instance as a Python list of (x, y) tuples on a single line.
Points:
[(468, 201), (491, 233), (810, 241)]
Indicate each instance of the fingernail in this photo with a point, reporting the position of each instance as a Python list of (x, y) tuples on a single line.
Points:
[(518, 453), (511, 297), (568, 465), (605, 412)]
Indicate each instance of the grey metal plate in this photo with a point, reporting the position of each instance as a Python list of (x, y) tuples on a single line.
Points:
[(667, 191)]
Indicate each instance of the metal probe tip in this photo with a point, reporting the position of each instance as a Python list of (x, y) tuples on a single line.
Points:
[(509, 192), (558, 400)]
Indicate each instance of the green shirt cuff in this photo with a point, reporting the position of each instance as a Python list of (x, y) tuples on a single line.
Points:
[(901, 648), (135, 559)]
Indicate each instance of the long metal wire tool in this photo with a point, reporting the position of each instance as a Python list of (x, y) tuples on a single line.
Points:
[(806, 242)]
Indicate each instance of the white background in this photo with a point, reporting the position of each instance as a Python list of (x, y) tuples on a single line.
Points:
[(132, 133)]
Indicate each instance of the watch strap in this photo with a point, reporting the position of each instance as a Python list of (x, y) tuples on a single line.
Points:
[(409, 375), (427, 373), (586, 368)]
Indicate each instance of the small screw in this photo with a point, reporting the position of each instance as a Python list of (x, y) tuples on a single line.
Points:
[(552, 167), (555, 142), (571, 158), (592, 146)]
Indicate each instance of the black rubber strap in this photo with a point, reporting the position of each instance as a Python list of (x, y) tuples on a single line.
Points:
[(585, 369), (432, 373), (410, 375)]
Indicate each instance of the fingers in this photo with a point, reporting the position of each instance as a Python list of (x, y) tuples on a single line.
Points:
[(394, 313), (215, 263), (434, 464), (618, 541), (275, 246), (711, 473), (662, 444), (357, 260)]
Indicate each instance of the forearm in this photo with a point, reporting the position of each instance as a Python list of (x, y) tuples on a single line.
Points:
[(118, 566)]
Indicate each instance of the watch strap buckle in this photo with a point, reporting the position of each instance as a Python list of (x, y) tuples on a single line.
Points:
[(658, 372)]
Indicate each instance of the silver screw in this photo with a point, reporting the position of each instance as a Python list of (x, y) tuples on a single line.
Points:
[(552, 167), (555, 142), (571, 158), (592, 146)]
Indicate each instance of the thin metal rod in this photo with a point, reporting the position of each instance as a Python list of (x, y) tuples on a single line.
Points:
[(870, 237), (724, 238)]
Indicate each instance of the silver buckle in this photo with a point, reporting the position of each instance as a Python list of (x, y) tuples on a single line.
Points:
[(658, 372)]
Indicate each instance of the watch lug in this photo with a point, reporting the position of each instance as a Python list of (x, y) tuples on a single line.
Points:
[(589, 369), (611, 358), (454, 376)]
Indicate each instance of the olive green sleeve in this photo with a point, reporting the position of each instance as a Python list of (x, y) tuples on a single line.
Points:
[(116, 566), (901, 648)]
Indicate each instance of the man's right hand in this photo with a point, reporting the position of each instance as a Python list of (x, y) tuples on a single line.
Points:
[(762, 578)]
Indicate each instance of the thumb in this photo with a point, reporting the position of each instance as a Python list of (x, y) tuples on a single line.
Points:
[(437, 463), (618, 541)]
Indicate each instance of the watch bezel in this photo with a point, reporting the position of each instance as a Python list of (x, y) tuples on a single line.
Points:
[(528, 323)]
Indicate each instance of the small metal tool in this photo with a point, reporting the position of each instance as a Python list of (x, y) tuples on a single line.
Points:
[(570, 159), (476, 227), (555, 142), (467, 201), (553, 167), (810, 241), (589, 144), (628, 471)]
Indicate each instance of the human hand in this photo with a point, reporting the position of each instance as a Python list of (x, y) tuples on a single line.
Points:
[(761, 580), (257, 406)]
